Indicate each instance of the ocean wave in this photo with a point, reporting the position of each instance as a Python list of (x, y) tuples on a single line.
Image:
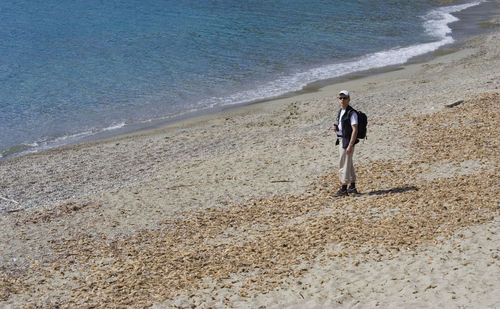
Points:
[(49, 143), (436, 24)]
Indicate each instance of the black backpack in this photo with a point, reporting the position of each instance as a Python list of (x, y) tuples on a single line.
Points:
[(362, 122)]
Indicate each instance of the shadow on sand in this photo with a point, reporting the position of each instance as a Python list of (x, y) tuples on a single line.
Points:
[(393, 190)]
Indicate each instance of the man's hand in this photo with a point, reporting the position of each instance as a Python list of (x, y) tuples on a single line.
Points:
[(354, 135), (349, 149)]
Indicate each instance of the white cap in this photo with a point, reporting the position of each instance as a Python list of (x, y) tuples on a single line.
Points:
[(344, 92)]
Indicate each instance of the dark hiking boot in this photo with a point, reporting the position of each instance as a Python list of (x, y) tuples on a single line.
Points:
[(352, 191), (341, 192)]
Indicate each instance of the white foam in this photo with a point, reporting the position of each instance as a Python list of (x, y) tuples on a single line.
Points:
[(436, 21), (66, 139), (115, 127)]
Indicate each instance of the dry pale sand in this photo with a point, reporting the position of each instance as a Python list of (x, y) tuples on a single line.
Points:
[(235, 209)]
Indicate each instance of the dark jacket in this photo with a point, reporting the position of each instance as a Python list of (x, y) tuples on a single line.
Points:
[(346, 126)]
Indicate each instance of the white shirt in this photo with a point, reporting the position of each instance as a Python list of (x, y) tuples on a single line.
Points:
[(354, 120)]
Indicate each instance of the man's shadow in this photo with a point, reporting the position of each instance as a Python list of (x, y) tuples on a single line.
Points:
[(393, 190)]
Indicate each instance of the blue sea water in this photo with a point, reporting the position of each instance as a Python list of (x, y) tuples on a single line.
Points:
[(74, 69)]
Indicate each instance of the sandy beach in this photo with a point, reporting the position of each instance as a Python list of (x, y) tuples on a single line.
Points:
[(235, 209)]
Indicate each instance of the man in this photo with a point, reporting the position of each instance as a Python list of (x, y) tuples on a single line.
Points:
[(347, 131)]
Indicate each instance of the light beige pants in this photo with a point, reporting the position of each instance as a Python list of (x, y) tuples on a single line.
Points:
[(346, 166)]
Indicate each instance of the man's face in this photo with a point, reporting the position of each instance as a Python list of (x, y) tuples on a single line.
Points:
[(343, 100)]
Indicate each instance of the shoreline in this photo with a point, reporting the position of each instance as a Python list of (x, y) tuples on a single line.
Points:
[(463, 32), (151, 125)]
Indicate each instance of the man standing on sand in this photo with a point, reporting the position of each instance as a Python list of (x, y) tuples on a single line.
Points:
[(347, 131)]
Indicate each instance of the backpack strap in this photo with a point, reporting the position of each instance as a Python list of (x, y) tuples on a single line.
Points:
[(350, 110)]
